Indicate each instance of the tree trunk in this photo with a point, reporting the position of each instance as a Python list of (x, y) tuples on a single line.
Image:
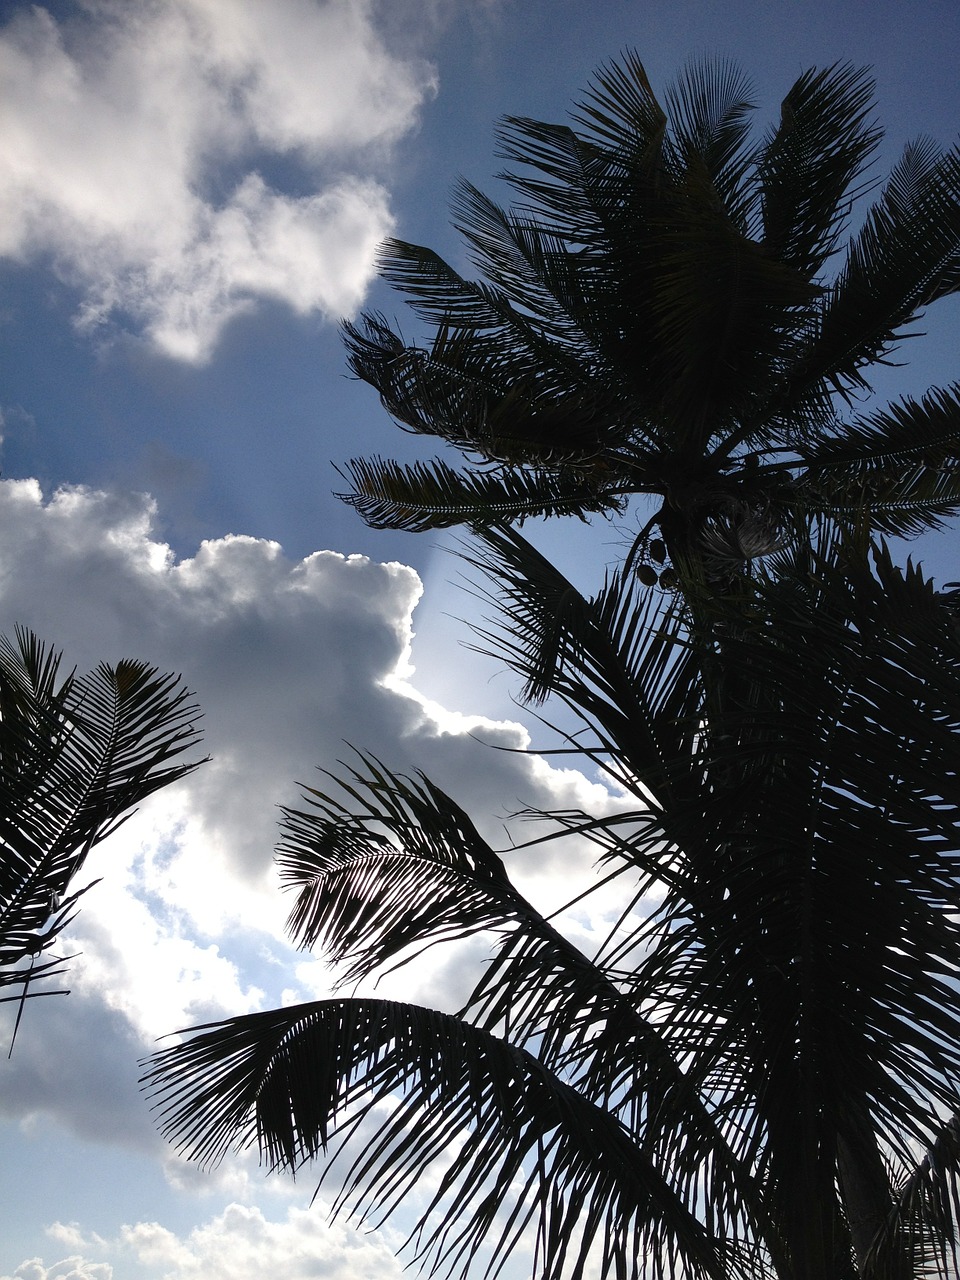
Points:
[(865, 1188)]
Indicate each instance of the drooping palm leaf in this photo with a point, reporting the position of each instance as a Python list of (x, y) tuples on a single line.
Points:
[(388, 863), (616, 660), (506, 394), (402, 864), (519, 1142)]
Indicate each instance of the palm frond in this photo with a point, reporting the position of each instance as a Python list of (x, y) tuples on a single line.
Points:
[(906, 256), (586, 1021), (75, 757), (529, 262), (621, 110), (490, 396), (709, 108), (369, 896), (899, 466), (559, 170), (924, 1221), (390, 864), (810, 161), (840, 827), (436, 292), (435, 496), (616, 660), (519, 1145)]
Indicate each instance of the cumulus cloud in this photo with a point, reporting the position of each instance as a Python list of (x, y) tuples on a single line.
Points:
[(289, 660), (239, 1242), (140, 140), (71, 1268)]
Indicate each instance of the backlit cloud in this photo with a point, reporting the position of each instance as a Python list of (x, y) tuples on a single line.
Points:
[(178, 160), (289, 660)]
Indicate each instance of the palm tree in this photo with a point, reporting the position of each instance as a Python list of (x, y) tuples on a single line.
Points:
[(669, 311), (758, 1074), (76, 754)]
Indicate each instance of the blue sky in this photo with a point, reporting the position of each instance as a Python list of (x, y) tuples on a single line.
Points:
[(191, 192)]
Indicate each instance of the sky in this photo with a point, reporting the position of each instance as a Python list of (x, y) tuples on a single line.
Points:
[(191, 196)]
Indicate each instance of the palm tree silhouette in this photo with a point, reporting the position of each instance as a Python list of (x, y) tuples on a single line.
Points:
[(670, 311), (756, 1072)]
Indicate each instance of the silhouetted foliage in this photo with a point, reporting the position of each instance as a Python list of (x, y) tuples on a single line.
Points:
[(674, 309), (756, 1071), (76, 754)]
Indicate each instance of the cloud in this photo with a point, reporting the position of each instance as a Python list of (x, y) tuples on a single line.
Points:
[(177, 160), (75, 1063), (72, 1268), (289, 660), (239, 1242)]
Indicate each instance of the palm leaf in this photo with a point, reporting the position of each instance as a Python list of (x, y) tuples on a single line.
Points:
[(528, 1147), (621, 111), (924, 1221), (393, 863), (435, 496), (533, 267), (906, 256), (809, 162), (497, 395), (616, 660), (75, 757), (901, 465), (369, 897), (834, 870), (709, 108)]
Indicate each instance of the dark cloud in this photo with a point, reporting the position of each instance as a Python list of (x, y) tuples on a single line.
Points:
[(75, 1062)]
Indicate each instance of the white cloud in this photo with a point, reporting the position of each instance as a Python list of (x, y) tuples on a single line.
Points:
[(136, 140), (288, 661), (241, 1241), (71, 1268), (235, 1244)]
